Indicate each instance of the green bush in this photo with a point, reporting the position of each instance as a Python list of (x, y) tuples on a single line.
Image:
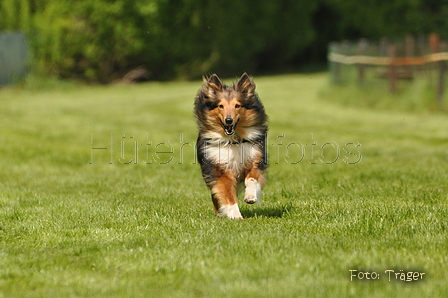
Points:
[(15, 14), (92, 40), (100, 40), (234, 36)]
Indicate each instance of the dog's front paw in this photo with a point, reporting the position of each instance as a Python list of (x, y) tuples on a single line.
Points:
[(231, 212), (250, 198), (253, 191)]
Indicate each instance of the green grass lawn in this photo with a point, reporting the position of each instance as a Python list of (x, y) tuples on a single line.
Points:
[(348, 189)]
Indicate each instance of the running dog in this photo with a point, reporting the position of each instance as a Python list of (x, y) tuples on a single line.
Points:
[(231, 146)]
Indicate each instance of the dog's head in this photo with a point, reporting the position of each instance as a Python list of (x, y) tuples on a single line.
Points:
[(229, 106)]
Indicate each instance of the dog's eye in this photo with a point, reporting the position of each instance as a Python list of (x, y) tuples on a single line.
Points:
[(237, 106), (221, 107)]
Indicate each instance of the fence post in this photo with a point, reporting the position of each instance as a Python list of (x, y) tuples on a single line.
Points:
[(383, 46), (410, 52), (422, 50), (434, 43), (362, 48), (391, 50), (334, 66), (440, 90)]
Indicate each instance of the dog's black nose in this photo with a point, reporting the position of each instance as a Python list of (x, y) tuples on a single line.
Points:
[(229, 121)]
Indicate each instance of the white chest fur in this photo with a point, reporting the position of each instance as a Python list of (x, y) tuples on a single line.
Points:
[(235, 157)]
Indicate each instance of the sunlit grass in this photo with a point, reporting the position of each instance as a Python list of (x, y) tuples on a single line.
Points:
[(121, 222)]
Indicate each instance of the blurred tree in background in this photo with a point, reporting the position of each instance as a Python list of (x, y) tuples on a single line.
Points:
[(100, 40)]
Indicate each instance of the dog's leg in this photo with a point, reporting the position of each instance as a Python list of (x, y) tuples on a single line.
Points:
[(254, 182), (230, 211), (224, 197)]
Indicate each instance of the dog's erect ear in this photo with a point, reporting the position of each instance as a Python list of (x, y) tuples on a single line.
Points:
[(211, 86), (245, 85)]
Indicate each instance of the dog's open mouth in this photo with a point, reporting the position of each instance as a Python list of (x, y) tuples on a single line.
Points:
[(229, 129)]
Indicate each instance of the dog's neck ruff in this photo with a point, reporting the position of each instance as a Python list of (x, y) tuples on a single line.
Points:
[(238, 140), (228, 140)]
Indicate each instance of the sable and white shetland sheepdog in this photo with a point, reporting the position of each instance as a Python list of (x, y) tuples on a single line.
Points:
[(231, 145)]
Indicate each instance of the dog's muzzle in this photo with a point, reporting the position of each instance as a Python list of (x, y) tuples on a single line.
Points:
[(229, 127)]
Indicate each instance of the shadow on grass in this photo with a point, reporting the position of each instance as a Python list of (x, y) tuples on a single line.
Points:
[(273, 212)]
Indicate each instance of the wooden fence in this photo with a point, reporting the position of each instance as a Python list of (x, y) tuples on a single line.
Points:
[(392, 60)]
